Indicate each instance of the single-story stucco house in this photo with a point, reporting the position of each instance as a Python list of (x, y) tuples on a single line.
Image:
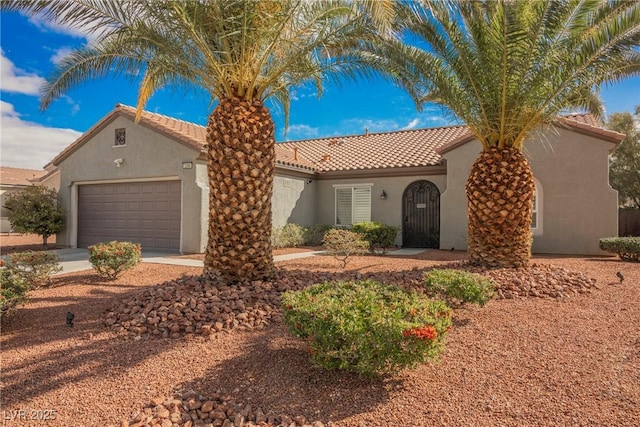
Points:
[(17, 179), (147, 182)]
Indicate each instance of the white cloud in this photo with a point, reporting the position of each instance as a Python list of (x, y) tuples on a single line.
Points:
[(44, 24), (357, 126), (30, 145), (412, 124), (13, 79), (301, 132), (59, 55)]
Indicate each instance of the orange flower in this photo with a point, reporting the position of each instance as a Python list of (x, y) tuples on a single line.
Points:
[(427, 333)]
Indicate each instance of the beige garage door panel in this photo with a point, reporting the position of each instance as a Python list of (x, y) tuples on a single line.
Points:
[(144, 212)]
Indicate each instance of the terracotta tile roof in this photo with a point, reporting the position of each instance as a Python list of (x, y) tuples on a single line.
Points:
[(583, 118), (18, 176), (590, 124), (416, 147), (289, 157), (408, 148)]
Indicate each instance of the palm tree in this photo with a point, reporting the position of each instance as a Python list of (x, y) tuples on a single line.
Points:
[(505, 68), (242, 52)]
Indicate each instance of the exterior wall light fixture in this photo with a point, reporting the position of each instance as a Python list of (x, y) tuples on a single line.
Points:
[(383, 195)]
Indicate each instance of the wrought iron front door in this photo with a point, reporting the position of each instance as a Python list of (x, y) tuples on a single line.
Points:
[(421, 215)]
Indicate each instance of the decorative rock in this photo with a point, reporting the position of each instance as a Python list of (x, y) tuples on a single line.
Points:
[(207, 406), (162, 412)]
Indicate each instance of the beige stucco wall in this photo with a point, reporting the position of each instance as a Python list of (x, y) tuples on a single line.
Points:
[(578, 205), (388, 211), (147, 156), (294, 199)]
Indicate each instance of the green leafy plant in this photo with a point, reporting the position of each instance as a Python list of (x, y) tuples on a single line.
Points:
[(365, 326), (288, 236), (112, 258), (461, 286), (35, 267), (35, 210), (627, 248), (314, 235), (380, 236), (342, 244), (13, 290)]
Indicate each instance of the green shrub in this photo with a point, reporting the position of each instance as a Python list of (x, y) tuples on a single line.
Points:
[(365, 326), (314, 235), (13, 290), (380, 236), (627, 248), (35, 267), (460, 285), (288, 236), (112, 258), (342, 244), (35, 210)]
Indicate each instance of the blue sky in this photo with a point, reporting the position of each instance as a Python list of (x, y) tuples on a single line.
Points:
[(30, 138)]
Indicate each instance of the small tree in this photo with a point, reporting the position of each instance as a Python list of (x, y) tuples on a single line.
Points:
[(35, 210), (624, 167)]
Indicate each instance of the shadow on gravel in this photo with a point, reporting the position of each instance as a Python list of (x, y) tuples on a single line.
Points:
[(40, 353), (274, 373)]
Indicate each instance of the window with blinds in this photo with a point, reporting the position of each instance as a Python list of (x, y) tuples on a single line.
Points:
[(353, 205)]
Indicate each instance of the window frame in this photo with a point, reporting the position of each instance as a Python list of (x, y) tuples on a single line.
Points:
[(115, 137), (353, 187), (538, 202)]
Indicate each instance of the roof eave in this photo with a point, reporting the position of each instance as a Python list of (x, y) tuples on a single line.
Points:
[(584, 128), (439, 169)]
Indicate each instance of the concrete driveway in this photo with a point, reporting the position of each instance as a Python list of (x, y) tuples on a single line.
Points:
[(77, 259)]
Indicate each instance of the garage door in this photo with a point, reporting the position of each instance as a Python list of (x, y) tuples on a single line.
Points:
[(143, 212)]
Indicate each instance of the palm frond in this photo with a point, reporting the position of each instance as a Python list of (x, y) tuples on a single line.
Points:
[(505, 67), (252, 49)]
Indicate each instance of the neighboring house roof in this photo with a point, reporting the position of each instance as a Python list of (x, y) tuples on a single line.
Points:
[(399, 149), (18, 177)]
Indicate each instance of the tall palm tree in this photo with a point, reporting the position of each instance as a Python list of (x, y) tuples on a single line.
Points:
[(505, 68), (242, 52)]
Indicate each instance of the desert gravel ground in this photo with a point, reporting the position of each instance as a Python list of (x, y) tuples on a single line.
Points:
[(16, 242), (573, 361)]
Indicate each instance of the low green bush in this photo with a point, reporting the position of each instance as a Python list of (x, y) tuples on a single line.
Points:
[(13, 290), (342, 244), (380, 236), (314, 235), (288, 236), (627, 248), (112, 258), (35, 267), (365, 326), (459, 285)]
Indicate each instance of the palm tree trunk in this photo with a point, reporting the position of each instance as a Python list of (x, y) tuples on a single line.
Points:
[(500, 193), (241, 163)]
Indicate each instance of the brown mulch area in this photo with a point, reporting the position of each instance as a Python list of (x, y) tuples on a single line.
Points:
[(572, 360), (10, 243)]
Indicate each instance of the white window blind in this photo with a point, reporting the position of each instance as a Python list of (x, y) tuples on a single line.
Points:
[(343, 206), (353, 205), (361, 205)]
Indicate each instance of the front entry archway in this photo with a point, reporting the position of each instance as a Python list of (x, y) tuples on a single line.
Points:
[(421, 215)]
